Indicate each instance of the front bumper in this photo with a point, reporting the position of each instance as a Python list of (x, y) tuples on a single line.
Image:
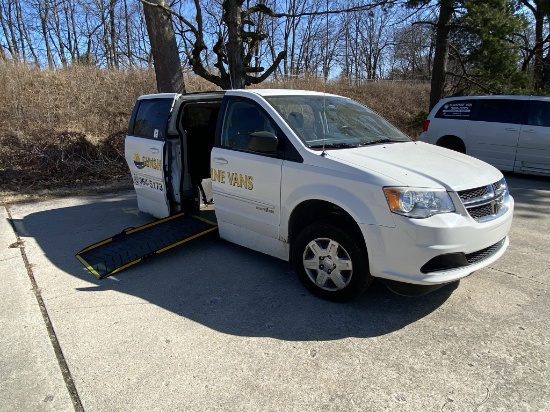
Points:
[(440, 249)]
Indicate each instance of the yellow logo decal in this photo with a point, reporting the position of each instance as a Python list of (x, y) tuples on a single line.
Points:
[(137, 161), (145, 161)]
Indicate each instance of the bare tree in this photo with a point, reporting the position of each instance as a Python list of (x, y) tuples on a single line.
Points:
[(24, 37), (239, 39), (291, 36), (44, 10), (60, 45), (8, 29), (365, 40), (234, 49), (413, 51), (127, 32)]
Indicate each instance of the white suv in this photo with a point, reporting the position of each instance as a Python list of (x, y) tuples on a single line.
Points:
[(510, 132)]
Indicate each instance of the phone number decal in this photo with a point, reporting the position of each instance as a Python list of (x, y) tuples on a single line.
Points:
[(148, 182)]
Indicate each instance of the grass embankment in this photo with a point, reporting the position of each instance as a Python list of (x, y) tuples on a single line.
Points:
[(62, 131)]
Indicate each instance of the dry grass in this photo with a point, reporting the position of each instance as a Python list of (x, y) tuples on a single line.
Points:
[(63, 130)]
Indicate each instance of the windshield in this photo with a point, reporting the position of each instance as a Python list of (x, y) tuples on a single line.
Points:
[(334, 122)]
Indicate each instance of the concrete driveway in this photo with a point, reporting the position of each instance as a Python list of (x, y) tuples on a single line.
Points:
[(212, 326)]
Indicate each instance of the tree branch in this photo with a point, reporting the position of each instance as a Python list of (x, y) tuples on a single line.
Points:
[(434, 24), (465, 76), (266, 10), (173, 13), (268, 72), (469, 79)]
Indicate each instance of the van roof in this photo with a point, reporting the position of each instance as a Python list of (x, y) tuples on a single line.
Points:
[(175, 95), (260, 92), (497, 96), (281, 92)]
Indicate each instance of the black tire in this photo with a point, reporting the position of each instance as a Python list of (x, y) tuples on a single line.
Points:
[(452, 143), (338, 264)]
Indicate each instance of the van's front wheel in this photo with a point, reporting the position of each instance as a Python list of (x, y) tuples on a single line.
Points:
[(330, 263)]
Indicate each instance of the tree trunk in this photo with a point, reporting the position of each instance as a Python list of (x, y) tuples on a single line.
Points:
[(441, 51), (539, 48), (545, 84), (44, 9), (112, 34), (57, 31), (67, 7), (235, 52), (76, 50), (164, 48), (128, 37)]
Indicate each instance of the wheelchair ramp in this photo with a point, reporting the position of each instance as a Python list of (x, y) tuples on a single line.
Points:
[(132, 245)]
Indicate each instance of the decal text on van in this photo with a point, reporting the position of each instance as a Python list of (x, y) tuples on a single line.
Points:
[(233, 179)]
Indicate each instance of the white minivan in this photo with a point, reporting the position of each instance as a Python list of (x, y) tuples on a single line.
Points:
[(510, 132), (323, 182)]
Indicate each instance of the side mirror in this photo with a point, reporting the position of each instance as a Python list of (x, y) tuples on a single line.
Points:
[(263, 142)]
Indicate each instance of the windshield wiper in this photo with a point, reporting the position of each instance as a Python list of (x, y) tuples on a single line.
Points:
[(378, 141), (334, 146)]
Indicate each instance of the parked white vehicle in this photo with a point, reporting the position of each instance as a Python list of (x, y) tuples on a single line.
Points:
[(323, 182), (510, 132)]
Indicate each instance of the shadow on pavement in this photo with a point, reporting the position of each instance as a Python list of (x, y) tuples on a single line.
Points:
[(215, 283), (531, 193)]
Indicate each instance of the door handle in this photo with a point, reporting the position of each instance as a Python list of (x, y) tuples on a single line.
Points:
[(220, 160), (511, 129), (153, 150), (529, 131)]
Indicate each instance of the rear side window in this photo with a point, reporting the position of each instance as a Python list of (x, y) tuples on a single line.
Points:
[(539, 113), (456, 109), (151, 118), (500, 111)]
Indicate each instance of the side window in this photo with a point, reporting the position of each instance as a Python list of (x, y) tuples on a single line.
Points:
[(151, 118), (539, 113), (456, 109), (500, 111), (241, 119)]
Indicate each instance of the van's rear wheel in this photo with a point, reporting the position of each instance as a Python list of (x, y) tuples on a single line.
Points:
[(330, 263), (453, 143)]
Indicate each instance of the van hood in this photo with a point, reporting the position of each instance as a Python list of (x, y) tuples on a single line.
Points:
[(419, 164)]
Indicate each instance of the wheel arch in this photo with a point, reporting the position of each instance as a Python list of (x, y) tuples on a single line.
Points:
[(316, 210), (452, 142)]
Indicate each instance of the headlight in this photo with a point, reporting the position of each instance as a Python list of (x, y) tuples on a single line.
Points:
[(501, 187), (418, 203)]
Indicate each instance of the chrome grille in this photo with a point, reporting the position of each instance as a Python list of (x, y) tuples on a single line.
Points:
[(481, 211), (485, 202), (466, 195)]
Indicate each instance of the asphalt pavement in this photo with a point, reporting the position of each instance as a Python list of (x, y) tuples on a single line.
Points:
[(211, 326)]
